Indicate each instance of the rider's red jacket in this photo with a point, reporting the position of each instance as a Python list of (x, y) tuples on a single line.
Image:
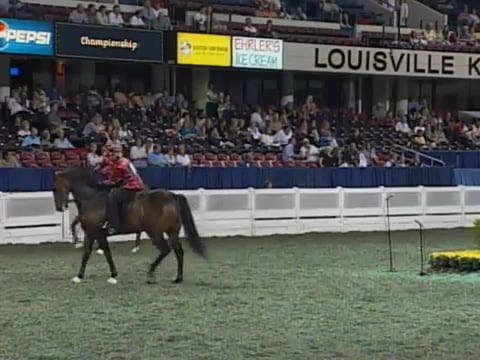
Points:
[(104, 167), (122, 172)]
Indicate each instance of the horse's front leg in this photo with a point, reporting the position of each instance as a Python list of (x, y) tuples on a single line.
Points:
[(86, 255), (103, 244), (73, 228), (137, 243)]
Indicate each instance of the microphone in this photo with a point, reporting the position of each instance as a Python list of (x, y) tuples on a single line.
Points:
[(389, 197)]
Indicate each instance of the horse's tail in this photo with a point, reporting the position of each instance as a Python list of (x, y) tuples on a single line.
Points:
[(189, 226)]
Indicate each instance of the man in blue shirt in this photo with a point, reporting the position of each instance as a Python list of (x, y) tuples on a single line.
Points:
[(31, 140), (288, 152), (156, 158)]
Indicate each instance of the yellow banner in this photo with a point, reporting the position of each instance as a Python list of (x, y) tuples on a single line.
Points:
[(203, 49)]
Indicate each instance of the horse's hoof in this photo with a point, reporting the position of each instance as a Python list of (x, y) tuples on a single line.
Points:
[(135, 249), (100, 252), (76, 280), (112, 281), (177, 281)]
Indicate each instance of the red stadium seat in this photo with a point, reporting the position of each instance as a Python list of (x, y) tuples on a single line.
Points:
[(59, 163), (42, 156), (223, 157), (258, 157), (27, 156), (206, 163), (235, 157), (69, 155), (198, 157), (231, 163), (217, 163), (45, 163), (74, 162), (210, 157), (270, 157), (56, 155), (30, 163)]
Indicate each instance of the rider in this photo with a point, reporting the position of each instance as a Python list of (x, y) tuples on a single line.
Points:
[(123, 175)]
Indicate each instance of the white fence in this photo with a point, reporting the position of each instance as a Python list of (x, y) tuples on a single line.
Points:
[(31, 217)]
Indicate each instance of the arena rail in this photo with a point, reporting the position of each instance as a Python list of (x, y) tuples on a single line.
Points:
[(31, 217)]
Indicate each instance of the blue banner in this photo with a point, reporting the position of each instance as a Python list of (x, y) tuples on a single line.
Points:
[(26, 37), (37, 179)]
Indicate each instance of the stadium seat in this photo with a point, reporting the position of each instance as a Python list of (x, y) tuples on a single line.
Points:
[(217, 163), (210, 157), (198, 157), (270, 157), (258, 157), (231, 163)]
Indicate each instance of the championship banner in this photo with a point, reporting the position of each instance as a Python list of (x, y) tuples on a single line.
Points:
[(381, 61), (203, 49), (257, 53), (109, 43), (26, 37)]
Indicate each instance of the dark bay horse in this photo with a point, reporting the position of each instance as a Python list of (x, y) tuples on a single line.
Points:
[(155, 212)]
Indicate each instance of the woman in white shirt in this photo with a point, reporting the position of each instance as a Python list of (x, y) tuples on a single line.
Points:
[(138, 152), (93, 158), (62, 142), (182, 158), (115, 17), (136, 20)]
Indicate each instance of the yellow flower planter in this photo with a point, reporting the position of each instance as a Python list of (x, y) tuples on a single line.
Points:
[(460, 261)]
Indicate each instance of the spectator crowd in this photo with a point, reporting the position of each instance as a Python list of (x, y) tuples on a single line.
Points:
[(165, 130)]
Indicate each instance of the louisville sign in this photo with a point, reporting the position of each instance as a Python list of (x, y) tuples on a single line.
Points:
[(257, 53), (377, 61)]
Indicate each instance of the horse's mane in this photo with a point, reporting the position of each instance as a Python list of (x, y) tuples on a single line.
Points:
[(78, 175)]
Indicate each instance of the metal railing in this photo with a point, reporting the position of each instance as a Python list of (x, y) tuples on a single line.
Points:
[(421, 155)]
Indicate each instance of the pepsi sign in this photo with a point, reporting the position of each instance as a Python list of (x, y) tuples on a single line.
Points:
[(26, 37)]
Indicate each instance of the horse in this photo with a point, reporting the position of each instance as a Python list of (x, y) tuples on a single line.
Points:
[(155, 211)]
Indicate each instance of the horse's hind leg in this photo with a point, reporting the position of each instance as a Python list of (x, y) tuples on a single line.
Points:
[(137, 243), (86, 255), (177, 248), (103, 244), (162, 245)]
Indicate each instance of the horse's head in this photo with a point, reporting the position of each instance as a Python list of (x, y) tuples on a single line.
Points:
[(61, 190)]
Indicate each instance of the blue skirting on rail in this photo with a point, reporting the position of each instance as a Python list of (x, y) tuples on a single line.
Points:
[(458, 159), (467, 177), (27, 179)]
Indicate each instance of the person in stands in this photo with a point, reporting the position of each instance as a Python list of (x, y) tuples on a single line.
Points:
[(124, 177)]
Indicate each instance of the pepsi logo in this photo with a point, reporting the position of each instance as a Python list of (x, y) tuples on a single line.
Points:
[(20, 36)]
